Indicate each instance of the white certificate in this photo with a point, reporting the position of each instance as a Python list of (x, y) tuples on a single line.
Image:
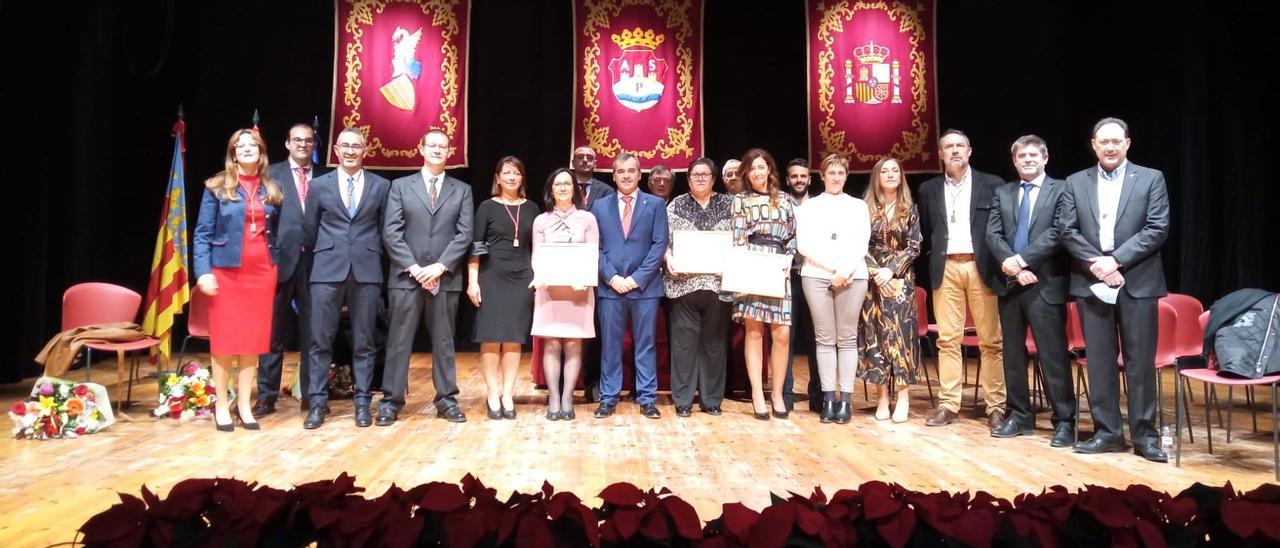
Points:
[(700, 251), (571, 265), (755, 273)]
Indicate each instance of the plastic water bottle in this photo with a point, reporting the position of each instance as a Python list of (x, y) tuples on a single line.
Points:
[(1166, 440)]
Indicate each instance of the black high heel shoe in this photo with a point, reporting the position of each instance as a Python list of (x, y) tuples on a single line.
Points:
[(781, 414), (763, 416), (494, 414), (228, 427), (248, 425)]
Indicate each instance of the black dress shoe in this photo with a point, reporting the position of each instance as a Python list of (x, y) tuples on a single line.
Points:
[(1151, 452), (453, 414), (1064, 435), (568, 415), (315, 418), (604, 410), (363, 416), (553, 415), (684, 410), (509, 414), (650, 411), (1098, 444), (493, 414), (1010, 428), (711, 410), (263, 408), (386, 416)]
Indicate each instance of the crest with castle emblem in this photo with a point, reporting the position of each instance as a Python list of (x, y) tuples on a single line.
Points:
[(637, 73), (877, 78)]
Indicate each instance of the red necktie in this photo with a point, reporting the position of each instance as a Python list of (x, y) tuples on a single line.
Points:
[(302, 186), (626, 215)]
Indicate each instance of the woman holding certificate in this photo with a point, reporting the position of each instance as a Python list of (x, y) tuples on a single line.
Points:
[(889, 347), (832, 230), (763, 221), (699, 318), (562, 315), (500, 273)]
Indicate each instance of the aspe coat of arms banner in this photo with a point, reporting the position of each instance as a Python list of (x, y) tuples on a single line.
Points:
[(872, 72), (400, 68), (638, 80)]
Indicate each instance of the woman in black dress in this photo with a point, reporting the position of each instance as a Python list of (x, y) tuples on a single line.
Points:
[(500, 273)]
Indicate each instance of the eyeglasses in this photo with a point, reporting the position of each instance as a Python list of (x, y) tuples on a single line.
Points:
[(298, 141), (351, 147), (699, 175)]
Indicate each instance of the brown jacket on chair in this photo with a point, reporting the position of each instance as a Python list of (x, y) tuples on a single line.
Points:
[(62, 350)]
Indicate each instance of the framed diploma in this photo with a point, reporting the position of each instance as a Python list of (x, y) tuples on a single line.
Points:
[(701, 251), (755, 273), (571, 265)]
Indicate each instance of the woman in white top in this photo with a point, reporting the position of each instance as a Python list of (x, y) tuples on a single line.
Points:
[(832, 230)]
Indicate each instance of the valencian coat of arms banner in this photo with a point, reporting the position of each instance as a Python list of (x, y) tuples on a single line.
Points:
[(872, 73), (400, 68), (638, 80)]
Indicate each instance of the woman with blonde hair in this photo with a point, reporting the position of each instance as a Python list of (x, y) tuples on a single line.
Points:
[(889, 347), (234, 254)]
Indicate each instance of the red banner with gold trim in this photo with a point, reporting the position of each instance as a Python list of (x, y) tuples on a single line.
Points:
[(872, 74), (638, 80), (400, 68)]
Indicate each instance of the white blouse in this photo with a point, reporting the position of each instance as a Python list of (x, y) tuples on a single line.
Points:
[(832, 231)]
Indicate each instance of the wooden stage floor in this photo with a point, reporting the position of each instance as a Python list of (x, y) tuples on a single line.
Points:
[(50, 488)]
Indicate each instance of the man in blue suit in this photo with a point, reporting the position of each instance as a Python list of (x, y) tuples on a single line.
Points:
[(633, 239), (346, 268)]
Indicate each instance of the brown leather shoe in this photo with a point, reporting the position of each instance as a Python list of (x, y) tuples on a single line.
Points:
[(995, 419), (941, 417)]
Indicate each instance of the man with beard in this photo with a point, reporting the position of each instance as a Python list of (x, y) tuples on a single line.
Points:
[(798, 178)]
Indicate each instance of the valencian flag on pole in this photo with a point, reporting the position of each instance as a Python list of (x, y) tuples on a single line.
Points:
[(399, 69), (168, 291), (638, 80), (872, 72)]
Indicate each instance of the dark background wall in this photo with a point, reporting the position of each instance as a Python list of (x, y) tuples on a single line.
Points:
[(91, 90)]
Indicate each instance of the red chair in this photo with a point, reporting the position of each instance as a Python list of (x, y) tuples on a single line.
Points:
[(1209, 376), (923, 329), (197, 324), (1190, 340), (96, 303)]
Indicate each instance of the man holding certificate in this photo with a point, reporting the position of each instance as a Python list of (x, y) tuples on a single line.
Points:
[(699, 317), (633, 240)]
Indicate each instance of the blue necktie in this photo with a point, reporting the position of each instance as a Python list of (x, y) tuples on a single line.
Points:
[(1022, 235), (351, 196)]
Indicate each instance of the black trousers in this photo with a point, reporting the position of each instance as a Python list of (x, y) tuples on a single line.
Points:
[(1021, 308), (699, 325), (1129, 324), (802, 337), (285, 323)]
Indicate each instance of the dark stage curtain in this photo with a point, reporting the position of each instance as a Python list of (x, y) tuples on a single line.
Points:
[(91, 90)]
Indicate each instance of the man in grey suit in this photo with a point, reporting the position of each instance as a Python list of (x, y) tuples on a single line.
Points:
[(427, 232), (346, 268), (1024, 239), (1114, 218), (293, 269)]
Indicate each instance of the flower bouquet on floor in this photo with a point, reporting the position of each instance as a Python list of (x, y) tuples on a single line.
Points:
[(61, 409), (187, 394)]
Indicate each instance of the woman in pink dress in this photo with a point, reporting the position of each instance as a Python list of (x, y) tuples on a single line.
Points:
[(562, 316), (234, 254)]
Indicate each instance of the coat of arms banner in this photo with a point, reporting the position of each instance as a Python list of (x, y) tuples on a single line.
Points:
[(638, 80), (400, 68), (872, 74)]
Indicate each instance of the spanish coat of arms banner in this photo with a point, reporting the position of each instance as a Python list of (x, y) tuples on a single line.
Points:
[(872, 72), (400, 69), (638, 80)]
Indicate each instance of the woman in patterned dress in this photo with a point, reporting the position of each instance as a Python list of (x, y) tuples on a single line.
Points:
[(889, 347), (763, 219)]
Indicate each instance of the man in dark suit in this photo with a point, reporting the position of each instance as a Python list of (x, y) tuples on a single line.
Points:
[(1114, 217), (427, 232), (953, 217), (346, 268), (1024, 239), (633, 240), (583, 164), (293, 268)]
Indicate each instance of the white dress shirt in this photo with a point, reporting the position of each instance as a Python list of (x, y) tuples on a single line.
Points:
[(426, 181), (832, 231), (342, 187), (1109, 205), (958, 195)]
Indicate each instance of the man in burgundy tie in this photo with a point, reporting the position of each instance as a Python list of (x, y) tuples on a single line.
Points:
[(293, 267), (633, 240)]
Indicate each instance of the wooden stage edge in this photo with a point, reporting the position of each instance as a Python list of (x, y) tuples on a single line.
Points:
[(52, 487)]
